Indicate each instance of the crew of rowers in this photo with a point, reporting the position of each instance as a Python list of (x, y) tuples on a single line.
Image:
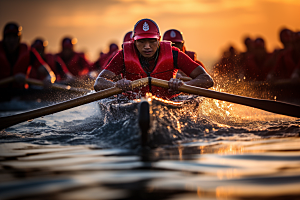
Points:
[(143, 54), (257, 64)]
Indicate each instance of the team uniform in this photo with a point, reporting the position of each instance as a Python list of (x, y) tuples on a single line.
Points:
[(77, 64), (132, 67), (176, 36), (18, 63), (146, 56), (286, 64), (104, 59), (257, 70), (55, 63)]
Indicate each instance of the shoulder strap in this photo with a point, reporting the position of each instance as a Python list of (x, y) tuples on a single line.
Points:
[(175, 58)]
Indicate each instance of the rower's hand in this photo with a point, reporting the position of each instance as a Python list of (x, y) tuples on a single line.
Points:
[(174, 84), (20, 78), (124, 85)]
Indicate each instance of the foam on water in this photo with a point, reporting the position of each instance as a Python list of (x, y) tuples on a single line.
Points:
[(108, 125)]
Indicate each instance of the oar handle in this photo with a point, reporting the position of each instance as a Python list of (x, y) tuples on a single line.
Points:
[(185, 78), (267, 105), (7, 80)]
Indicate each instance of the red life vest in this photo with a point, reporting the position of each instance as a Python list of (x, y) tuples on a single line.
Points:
[(164, 68), (103, 61), (61, 70), (193, 56), (77, 65), (21, 65), (33, 72)]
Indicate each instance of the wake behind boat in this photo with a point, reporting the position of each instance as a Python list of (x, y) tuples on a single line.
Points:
[(157, 121)]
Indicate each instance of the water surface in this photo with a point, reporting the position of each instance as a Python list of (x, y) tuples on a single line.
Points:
[(207, 150)]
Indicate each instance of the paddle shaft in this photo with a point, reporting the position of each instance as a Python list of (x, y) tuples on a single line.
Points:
[(267, 105), (57, 86), (15, 119), (7, 80)]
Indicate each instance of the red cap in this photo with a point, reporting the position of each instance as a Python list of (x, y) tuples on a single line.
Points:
[(173, 35), (146, 28), (127, 37)]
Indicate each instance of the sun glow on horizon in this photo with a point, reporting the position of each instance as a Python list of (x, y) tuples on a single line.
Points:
[(208, 26)]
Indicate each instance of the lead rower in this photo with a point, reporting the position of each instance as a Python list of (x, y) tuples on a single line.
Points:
[(147, 56)]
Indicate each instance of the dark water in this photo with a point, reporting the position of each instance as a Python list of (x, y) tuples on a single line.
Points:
[(208, 149)]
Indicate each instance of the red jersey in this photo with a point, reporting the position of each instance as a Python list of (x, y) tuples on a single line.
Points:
[(77, 65), (193, 56), (134, 67), (286, 64), (17, 63), (101, 63), (55, 63), (257, 69)]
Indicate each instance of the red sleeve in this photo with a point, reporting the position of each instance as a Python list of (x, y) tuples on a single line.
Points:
[(116, 65), (185, 63)]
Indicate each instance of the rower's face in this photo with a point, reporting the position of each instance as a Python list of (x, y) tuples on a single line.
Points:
[(179, 45), (147, 47)]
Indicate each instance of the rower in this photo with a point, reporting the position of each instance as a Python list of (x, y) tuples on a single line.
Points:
[(76, 62), (105, 58), (147, 56), (16, 58), (176, 37), (127, 37), (56, 64)]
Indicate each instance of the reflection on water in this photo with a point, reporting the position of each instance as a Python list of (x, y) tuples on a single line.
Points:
[(208, 149), (261, 169)]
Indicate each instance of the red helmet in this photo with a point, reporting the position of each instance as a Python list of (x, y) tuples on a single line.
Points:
[(127, 37), (173, 35), (146, 28)]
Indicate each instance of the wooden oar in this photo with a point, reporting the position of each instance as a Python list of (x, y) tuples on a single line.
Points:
[(271, 106), (15, 119), (57, 86), (185, 78), (7, 80), (267, 105)]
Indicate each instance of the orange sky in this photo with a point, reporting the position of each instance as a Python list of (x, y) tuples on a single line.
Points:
[(209, 26)]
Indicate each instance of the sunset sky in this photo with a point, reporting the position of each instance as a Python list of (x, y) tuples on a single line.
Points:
[(209, 26)]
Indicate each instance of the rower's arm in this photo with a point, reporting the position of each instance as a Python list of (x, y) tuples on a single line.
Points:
[(47, 71), (200, 78), (103, 80)]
